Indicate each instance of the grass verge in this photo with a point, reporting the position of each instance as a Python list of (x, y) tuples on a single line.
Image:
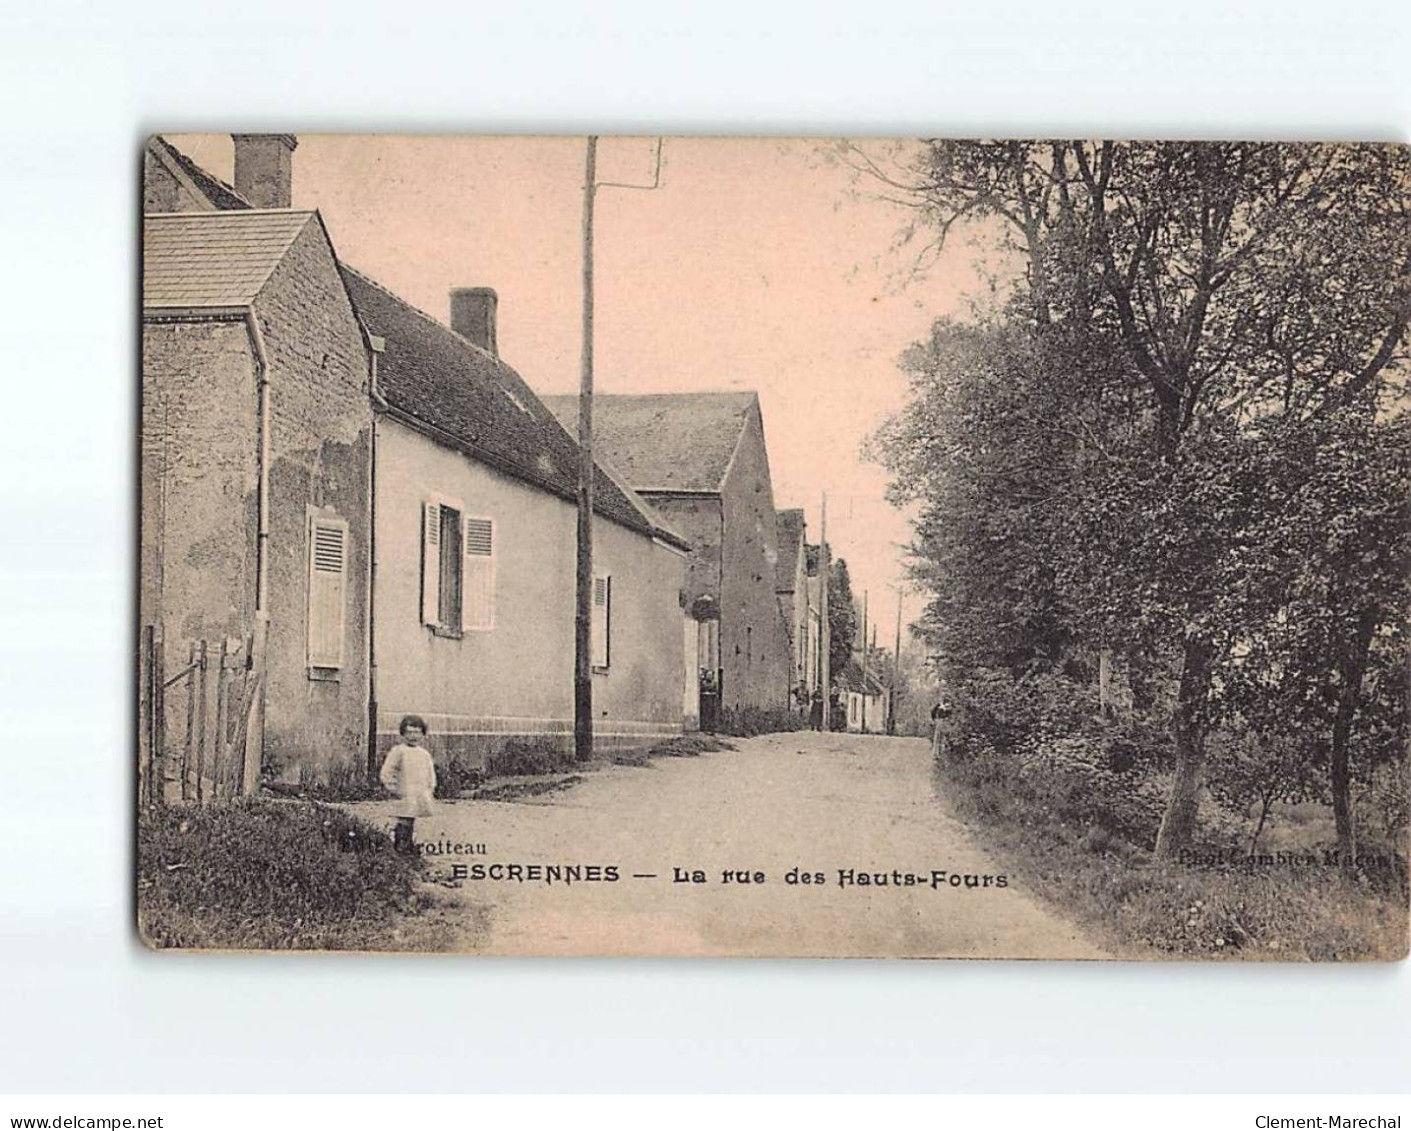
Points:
[(279, 875), (1110, 885), (685, 746)]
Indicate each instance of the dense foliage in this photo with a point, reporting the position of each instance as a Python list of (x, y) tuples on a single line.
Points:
[(1171, 470), (842, 615)]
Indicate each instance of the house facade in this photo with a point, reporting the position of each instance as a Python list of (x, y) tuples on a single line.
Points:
[(791, 587), (476, 528), (255, 465), (700, 461), (371, 510), (864, 699)]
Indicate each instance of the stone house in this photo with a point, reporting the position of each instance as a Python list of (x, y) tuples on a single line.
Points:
[(791, 587), (700, 460), (476, 528), (863, 697), (255, 465), (377, 502)]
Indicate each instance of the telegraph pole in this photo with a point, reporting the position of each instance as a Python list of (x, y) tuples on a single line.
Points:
[(864, 661), (583, 616), (824, 636), (583, 613), (896, 675)]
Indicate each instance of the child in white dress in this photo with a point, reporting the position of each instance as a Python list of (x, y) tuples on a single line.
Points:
[(410, 773)]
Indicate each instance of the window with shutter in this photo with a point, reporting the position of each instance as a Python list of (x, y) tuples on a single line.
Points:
[(328, 582), (602, 620), (431, 563), (451, 572), (478, 597), (442, 581)]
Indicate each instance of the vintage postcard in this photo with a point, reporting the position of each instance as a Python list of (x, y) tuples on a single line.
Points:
[(767, 547)]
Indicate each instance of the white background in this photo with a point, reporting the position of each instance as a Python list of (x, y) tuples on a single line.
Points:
[(82, 1007)]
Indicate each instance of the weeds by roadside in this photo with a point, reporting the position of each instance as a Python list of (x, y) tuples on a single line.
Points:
[(746, 722), (1082, 844), (275, 875)]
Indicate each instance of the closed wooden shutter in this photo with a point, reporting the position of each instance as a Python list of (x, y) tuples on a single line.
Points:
[(328, 583), (431, 563), (602, 620), (478, 598)]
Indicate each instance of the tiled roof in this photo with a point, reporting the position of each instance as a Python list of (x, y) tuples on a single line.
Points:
[(438, 378), (664, 442), (210, 259), (850, 679), (220, 194), (788, 529)]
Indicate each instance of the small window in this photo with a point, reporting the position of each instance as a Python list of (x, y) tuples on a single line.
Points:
[(602, 621), (328, 583), (441, 573)]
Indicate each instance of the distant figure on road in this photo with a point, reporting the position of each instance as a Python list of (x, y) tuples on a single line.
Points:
[(939, 713), (410, 773)]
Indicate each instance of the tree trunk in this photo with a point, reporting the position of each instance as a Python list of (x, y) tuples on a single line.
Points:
[(1139, 679), (1351, 668), (1266, 802), (1178, 824)]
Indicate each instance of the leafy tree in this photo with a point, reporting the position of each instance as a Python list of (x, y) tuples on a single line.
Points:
[(1202, 295), (983, 449), (1258, 770), (1323, 655), (842, 616)]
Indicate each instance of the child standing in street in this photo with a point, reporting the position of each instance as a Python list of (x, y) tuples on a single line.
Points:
[(410, 773)]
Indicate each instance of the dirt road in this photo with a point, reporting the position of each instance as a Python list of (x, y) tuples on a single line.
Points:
[(889, 872)]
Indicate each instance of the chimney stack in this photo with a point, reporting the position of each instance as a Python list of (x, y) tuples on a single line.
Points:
[(473, 316), (264, 168)]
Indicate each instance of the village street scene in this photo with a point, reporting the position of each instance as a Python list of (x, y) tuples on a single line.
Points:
[(640, 546)]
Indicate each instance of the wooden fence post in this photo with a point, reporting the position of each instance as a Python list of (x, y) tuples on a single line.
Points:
[(145, 715), (156, 764), (200, 676), (253, 717), (218, 754), (186, 749)]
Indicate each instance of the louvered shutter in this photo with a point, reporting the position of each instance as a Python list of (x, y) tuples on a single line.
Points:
[(478, 594), (328, 583), (602, 620), (431, 563)]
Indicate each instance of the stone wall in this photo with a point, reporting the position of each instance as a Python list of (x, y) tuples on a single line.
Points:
[(321, 431), (200, 472), (754, 637)]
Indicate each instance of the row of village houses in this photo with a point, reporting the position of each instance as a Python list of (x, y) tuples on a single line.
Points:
[(386, 510)]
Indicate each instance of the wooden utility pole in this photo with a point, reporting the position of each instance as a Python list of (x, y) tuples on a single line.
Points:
[(864, 661), (896, 673), (583, 617), (824, 636)]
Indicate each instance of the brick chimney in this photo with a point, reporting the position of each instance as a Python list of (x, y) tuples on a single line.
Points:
[(264, 168), (473, 315)]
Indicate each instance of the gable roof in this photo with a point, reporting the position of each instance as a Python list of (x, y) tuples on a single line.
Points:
[(428, 372), (445, 383), (667, 441), (215, 190), (850, 679), (788, 530), (213, 259)]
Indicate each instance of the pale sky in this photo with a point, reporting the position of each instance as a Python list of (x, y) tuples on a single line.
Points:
[(753, 266)]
